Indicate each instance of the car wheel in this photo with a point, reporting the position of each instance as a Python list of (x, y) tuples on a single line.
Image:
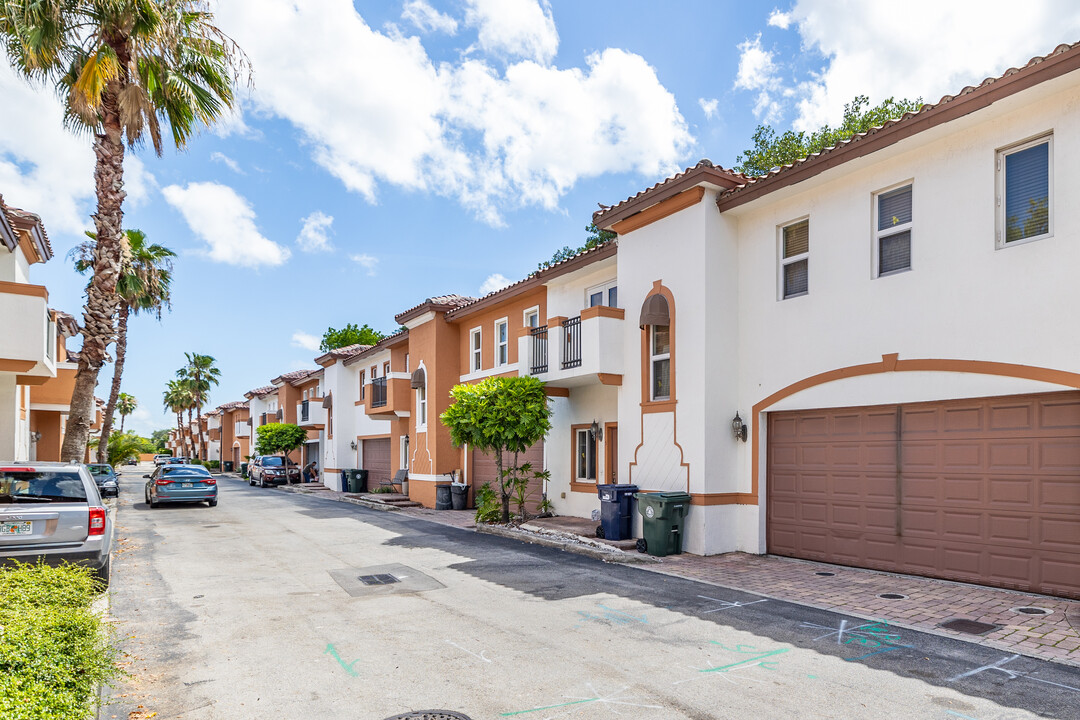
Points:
[(251, 482), (262, 482), (102, 573), (212, 503), (150, 500)]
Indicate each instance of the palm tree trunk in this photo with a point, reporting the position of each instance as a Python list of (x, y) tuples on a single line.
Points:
[(101, 298), (180, 426), (198, 429), (123, 417), (191, 436), (118, 372)]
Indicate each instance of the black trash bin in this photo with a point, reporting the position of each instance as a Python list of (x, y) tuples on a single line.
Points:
[(459, 496), (662, 516), (243, 469), (616, 511), (443, 497), (355, 481), (227, 466)]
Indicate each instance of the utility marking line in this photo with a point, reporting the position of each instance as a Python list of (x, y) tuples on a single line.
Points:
[(613, 615), (749, 662), (1012, 674), (875, 636), (612, 699), (349, 667), (726, 605), (479, 657)]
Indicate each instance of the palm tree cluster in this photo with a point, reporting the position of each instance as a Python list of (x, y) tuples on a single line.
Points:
[(190, 391), (126, 70)]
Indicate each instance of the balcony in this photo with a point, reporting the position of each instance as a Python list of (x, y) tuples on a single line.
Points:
[(243, 429), (29, 346), (576, 351), (389, 397), (311, 414)]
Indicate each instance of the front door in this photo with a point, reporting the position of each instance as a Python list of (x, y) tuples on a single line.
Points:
[(611, 452)]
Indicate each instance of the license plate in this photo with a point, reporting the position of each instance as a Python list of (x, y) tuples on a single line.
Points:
[(16, 528), (187, 484)]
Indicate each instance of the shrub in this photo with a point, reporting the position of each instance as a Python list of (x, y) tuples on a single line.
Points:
[(214, 464), (54, 649), (488, 504)]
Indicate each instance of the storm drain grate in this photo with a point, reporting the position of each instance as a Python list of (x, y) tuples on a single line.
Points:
[(892, 596), (1032, 610), (825, 574), (430, 715), (380, 579), (971, 627)]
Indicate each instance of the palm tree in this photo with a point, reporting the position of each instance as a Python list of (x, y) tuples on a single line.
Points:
[(125, 69), (144, 286), (125, 405), (200, 373), (178, 398)]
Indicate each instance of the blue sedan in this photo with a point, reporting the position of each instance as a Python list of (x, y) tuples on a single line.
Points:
[(181, 483)]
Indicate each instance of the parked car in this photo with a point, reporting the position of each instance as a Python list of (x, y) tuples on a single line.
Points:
[(270, 470), (53, 512), (107, 479), (161, 459), (180, 483), (132, 461), (176, 461)]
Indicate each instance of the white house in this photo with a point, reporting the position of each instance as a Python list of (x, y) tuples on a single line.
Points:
[(890, 320)]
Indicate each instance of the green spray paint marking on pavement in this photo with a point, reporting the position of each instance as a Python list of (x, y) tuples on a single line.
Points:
[(348, 668), (550, 707), (757, 660)]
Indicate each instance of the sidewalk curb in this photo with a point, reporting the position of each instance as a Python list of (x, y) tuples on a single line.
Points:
[(609, 556)]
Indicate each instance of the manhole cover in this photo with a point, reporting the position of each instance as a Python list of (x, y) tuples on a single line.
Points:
[(892, 596), (380, 579), (971, 627), (1032, 610), (430, 715), (825, 574)]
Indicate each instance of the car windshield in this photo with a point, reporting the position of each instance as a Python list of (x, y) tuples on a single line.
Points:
[(272, 461), (190, 470), (100, 469), (30, 485)]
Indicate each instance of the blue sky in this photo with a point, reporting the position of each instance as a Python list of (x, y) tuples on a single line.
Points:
[(396, 150)]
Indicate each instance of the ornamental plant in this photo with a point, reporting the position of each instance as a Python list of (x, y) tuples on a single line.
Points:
[(283, 438)]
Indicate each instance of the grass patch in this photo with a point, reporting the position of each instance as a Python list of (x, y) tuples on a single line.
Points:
[(54, 650)]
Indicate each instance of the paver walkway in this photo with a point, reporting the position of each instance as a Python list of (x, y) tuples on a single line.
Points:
[(853, 591)]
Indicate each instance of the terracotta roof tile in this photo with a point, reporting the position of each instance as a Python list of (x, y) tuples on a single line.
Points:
[(233, 405), (259, 392), (439, 302), (340, 353), (31, 218), (703, 167)]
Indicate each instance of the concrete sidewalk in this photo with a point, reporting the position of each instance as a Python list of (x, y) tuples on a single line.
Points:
[(926, 603)]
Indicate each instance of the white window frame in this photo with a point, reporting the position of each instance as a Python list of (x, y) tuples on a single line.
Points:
[(361, 376), (603, 288), (422, 403), (653, 357), (878, 235), (783, 262), (503, 346), (534, 310), (403, 451), (476, 350), (591, 447), (999, 185), (406, 362)]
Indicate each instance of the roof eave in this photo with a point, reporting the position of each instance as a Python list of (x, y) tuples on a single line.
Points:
[(693, 177)]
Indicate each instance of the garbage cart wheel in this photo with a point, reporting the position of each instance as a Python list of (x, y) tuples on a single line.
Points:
[(642, 546), (600, 531)]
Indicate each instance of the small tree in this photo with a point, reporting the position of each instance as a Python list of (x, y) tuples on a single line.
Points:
[(274, 438), (595, 238), (499, 415), (349, 335)]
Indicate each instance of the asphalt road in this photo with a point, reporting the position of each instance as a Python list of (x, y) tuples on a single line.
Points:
[(254, 609)]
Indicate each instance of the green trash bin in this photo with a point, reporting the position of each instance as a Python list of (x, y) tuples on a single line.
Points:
[(662, 516), (243, 469), (227, 466), (357, 480)]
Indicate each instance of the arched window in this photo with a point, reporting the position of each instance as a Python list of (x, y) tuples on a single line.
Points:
[(658, 354)]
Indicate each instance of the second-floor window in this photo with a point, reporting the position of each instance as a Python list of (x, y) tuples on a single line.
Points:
[(362, 374), (1025, 191), (421, 407), (386, 368), (474, 350), (502, 342), (660, 357), (892, 231), (532, 318), (606, 294), (795, 259)]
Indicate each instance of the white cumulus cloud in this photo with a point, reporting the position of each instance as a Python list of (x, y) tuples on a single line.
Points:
[(708, 107), (365, 261), (227, 162), (303, 340), (314, 235), (495, 281), (225, 221), (514, 28), (427, 18), (780, 19), (758, 72), (533, 129)]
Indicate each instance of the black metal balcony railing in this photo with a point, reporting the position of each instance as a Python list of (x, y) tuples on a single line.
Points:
[(378, 392), (304, 411), (539, 337), (571, 355), (262, 419)]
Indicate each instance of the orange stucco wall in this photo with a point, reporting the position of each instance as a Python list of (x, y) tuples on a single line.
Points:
[(48, 424), (56, 390), (513, 310)]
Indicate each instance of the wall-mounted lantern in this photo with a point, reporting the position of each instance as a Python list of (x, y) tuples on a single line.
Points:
[(738, 427)]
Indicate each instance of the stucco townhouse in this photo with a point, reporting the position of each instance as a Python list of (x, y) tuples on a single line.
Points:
[(212, 420), (36, 372), (866, 357), (235, 432)]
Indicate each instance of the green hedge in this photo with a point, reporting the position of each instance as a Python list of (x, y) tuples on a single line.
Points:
[(54, 650)]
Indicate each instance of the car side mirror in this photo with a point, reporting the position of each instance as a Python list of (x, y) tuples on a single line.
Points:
[(146, 476)]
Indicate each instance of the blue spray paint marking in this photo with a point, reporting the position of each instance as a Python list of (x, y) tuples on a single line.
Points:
[(349, 667), (759, 659), (877, 637), (613, 615)]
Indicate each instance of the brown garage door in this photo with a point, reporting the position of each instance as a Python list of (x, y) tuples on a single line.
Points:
[(984, 490), (483, 470), (376, 460)]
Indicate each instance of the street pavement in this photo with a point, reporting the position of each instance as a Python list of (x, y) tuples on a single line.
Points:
[(255, 609)]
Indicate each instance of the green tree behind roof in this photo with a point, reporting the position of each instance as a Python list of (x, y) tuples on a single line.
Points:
[(772, 150), (349, 335)]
